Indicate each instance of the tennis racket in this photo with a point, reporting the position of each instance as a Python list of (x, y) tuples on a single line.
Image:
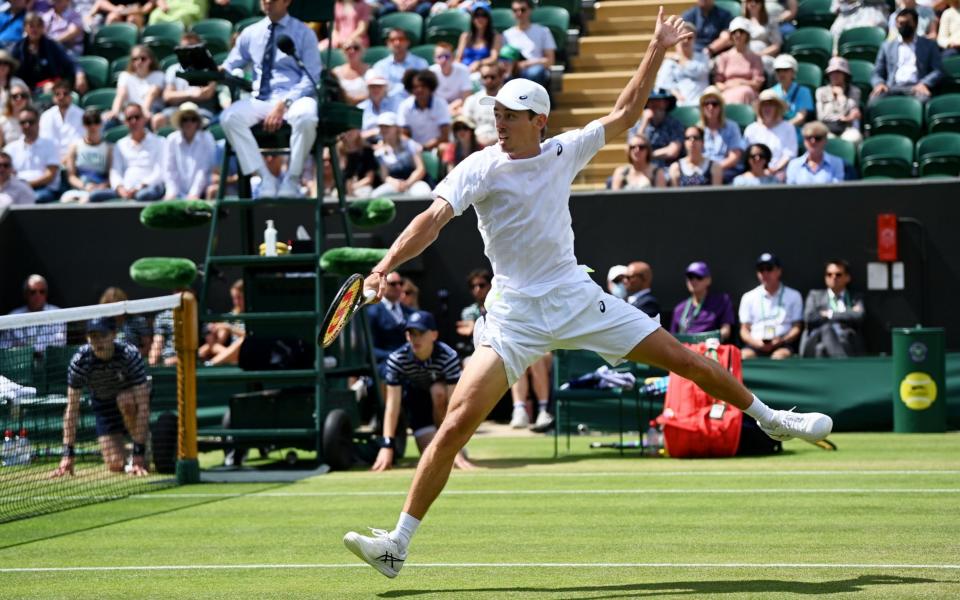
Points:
[(347, 302)]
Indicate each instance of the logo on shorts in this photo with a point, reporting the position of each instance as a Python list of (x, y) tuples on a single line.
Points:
[(603, 307), (559, 149)]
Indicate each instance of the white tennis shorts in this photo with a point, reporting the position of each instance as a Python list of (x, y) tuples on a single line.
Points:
[(582, 316)]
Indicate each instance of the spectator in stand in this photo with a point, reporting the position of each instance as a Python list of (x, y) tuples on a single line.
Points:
[(464, 142), (388, 319), (695, 169), (453, 78), (639, 280), (131, 329), (36, 159), (928, 23), (783, 12), (816, 166), (141, 83), (909, 66), (421, 7), (771, 314), (377, 104), (481, 41), (765, 37), (188, 155), (662, 130), (833, 316), (703, 310), (223, 339), (401, 166), (722, 142), (35, 294), (535, 43), (177, 90), (399, 62), (756, 160), (88, 163), (410, 296), (537, 378), (639, 173), (134, 12), (136, 167), (710, 23), (18, 99), (64, 25), (508, 60), (187, 12), (44, 61), (424, 116), (855, 13), (684, 72), (479, 281), (8, 66), (772, 131), (838, 102), (738, 72), (13, 190), (63, 122), (491, 77), (350, 24), (351, 74), (11, 22), (949, 36), (797, 97), (361, 172)]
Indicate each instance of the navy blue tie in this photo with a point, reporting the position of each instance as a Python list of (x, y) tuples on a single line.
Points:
[(266, 73)]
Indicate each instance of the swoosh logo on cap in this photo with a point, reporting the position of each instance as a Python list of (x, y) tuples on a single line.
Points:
[(523, 97)]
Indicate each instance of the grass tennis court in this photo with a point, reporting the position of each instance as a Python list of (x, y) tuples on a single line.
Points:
[(880, 518)]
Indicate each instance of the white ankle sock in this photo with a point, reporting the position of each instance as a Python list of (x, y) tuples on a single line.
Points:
[(522, 405), (543, 405), (760, 411), (406, 527)]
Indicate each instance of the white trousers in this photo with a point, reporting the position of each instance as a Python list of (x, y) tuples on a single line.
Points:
[(242, 115)]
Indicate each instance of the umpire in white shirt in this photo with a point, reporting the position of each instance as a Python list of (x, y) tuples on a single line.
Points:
[(282, 92)]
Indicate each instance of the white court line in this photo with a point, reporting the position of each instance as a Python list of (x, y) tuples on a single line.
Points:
[(515, 473), (486, 566)]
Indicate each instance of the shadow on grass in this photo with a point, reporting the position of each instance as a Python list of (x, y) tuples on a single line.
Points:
[(592, 454), (65, 527), (688, 588)]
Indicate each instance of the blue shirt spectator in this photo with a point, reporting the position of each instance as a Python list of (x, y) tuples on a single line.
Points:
[(815, 166), (711, 23), (663, 132), (798, 97), (717, 144), (11, 22), (394, 66)]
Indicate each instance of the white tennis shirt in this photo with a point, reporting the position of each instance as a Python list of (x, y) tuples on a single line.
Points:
[(523, 211)]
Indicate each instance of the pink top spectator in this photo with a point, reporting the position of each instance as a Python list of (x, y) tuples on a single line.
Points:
[(347, 17), (745, 68)]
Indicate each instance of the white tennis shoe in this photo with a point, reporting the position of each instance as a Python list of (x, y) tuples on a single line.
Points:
[(380, 551), (786, 424), (269, 185), (520, 418)]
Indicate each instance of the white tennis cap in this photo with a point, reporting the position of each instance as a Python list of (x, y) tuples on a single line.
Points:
[(521, 94)]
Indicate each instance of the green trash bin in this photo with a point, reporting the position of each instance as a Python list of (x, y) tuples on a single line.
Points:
[(919, 382)]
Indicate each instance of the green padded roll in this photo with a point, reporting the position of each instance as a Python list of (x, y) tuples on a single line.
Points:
[(347, 261), (373, 212), (163, 273), (176, 214)]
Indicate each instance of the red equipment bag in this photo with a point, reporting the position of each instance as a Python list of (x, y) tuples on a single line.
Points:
[(696, 425)]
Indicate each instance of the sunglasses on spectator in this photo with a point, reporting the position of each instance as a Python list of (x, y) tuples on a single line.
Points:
[(711, 103), (757, 157), (189, 119), (28, 122), (134, 117), (38, 292), (5, 165), (693, 277), (395, 283), (639, 146), (814, 138), (138, 58), (693, 138), (19, 95), (522, 9)]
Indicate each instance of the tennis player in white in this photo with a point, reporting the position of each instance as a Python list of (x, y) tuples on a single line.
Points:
[(541, 299)]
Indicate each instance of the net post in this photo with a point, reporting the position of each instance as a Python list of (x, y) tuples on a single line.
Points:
[(185, 318)]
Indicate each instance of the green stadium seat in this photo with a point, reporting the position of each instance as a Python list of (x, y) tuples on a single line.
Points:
[(939, 154), (219, 57), (557, 20), (861, 43), (56, 359), (572, 6), (337, 58), (860, 72), (951, 72), (843, 149), (943, 113), (375, 53), (504, 3), (165, 130), (731, 6), (810, 75), (812, 45), (410, 22), (114, 40), (741, 114), (431, 162), (502, 19), (16, 364), (215, 33), (114, 134), (168, 61), (168, 31), (901, 115), (241, 25), (424, 51), (235, 11), (687, 115), (97, 70), (101, 99), (815, 13), (447, 27), (217, 132), (160, 47), (116, 67), (886, 155), (696, 338)]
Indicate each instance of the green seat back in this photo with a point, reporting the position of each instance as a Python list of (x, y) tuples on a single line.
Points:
[(939, 154), (815, 13), (731, 6), (810, 75), (243, 24), (114, 134), (216, 131), (410, 22), (431, 162), (215, 33), (811, 44), (166, 130), (166, 31), (375, 53), (235, 11), (97, 70), (502, 19), (116, 67), (887, 155), (687, 115), (101, 99), (122, 32), (168, 61), (16, 364), (861, 43), (424, 51), (696, 338), (447, 27), (56, 360), (943, 113), (860, 72), (161, 47), (951, 72), (337, 58), (843, 149), (557, 20), (741, 114), (896, 114)]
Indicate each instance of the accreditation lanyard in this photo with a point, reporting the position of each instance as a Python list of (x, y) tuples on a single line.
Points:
[(763, 312), (685, 319), (845, 298)]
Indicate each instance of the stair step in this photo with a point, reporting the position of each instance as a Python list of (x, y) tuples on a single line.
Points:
[(302, 315), (585, 82), (614, 44), (622, 25), (563, 117), (587, 98), (596, 61), (639, 8), (265, 261), (218, 375)]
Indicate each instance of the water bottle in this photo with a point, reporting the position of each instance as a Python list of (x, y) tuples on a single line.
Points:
[(23, 451), (270, 239), (652, 441), (6, 454)]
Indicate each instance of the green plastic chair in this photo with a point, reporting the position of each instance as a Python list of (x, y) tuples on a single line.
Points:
[(901, 115), (843, 149), (741, 114), (810, 75), (116, 67), (161, 47), (687, 115), (16, 364), (447, 27), (951, 72), (168, 61), (502, 19), (375, 53), (811, 44), (731, 6), (97, 70), (424, 51), (56, 359), (861, 43), (506, 3), (943, 114), (215, 33), (337, 58), (235, 11), (572, 6), (165, 130), (101, 99), (860, 72), (431, 162), (114, 134), (243, 24), (557, 20), (939, 154), (815, 13), (410, 22), (114, 40), (167, 31), (886, 155), (217, 132)]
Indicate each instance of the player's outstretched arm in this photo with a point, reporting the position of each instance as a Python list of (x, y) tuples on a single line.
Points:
[(668, 32), (414, 239)]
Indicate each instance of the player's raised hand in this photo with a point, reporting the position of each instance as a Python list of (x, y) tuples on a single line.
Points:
[(669, 31)]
